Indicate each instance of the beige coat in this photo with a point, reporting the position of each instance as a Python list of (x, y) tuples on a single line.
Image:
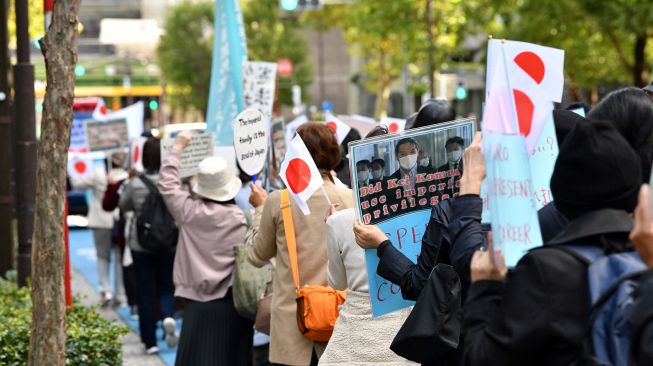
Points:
[(287, 345)]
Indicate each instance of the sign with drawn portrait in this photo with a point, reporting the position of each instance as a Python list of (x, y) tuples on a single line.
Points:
[(397, 179)]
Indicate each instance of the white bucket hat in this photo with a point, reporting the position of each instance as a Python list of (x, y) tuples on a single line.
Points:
[(215, 181)]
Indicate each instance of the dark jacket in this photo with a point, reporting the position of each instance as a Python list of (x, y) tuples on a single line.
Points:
[(641, 324), (395, 267), (539, 315)]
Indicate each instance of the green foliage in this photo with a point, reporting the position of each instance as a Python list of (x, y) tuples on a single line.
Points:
[(271, 37), (91, 340), (185, 50), (184, 54), (598, 36), (36, 22)]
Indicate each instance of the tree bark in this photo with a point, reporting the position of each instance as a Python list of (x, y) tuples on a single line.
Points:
[(640, 73), (59, 47)]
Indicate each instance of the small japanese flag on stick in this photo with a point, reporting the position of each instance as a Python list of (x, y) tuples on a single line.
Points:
[(340, 128), (100, 112), (300, 174)]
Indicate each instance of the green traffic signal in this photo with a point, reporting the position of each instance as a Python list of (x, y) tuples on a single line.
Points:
[(289, 5), (80, 70), (461, 92), (154, 105)]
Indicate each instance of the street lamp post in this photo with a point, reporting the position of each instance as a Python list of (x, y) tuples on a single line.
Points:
[(6, 201)]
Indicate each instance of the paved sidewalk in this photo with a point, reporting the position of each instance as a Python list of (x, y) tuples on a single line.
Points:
[(132, 349)]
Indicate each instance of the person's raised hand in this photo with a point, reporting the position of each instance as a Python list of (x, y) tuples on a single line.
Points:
[(331, 210), (258, 196), (488, 264), (182, 140), (474, 167), (642, 234), (368, 236)]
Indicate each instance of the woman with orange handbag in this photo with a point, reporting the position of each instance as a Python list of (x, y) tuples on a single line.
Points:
[(288, 346)]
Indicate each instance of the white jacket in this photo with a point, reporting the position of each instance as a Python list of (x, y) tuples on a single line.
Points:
[(97, 182)]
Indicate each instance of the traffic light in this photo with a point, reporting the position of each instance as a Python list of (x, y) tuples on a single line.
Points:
[(80, 70), (461, 92), (153, 105), (300, 5)]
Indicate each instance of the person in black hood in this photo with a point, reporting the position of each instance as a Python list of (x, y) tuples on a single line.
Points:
[(342, 170), (538, 315)]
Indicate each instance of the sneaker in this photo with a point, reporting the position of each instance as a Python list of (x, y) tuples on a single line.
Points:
[(152, 350), (171, 335), (105, 298)]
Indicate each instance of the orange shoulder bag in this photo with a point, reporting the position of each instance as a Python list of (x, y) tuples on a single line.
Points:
[(317, 306)]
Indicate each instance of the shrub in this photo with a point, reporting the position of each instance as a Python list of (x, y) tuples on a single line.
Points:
[(91, 340)]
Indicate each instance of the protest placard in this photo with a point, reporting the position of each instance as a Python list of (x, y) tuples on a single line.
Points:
[(251, 141), (78, 138), (542, 162), (200, 147), (107, 135), (511, 198), (258, 85), (418, 172), (278, 142)]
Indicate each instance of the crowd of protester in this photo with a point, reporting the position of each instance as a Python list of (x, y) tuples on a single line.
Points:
[(537, 313)]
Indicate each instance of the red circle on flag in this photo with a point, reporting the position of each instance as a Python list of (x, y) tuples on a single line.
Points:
[(103, 109), (284, 67), (80, 167), (137, 153), (393, 128), (333, 126), (298, 175)]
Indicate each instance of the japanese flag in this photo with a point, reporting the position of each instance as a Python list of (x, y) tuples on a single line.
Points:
[(136, 153), (540, 66), (338, 127), (100, 112), (516, 104), (299, 173), (394, 125), (79, 165)]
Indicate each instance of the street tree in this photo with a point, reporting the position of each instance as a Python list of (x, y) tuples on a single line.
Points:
[(59, 47), (185, 50), (271, 37)]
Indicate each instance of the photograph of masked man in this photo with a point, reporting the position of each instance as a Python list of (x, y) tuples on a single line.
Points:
[(453, 169), (407, 187), (378, 170)]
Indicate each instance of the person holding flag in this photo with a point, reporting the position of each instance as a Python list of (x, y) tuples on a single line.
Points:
[(306, 170)]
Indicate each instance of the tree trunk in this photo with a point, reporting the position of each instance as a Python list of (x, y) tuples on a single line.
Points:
[(640, 73), (59, 46)]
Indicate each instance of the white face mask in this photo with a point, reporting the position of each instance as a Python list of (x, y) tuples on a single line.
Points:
[(455, 155), (408, 161), (377, 174), (363, 175), (424, 162)]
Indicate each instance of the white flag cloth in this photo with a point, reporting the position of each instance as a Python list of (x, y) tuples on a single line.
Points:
[(136, 154), (394, 125), (340, 128), (300, 174)]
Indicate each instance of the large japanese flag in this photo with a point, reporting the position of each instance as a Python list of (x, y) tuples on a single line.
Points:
[(394, 125), (530, 63), (516, 103), (299, 173), (340, 128)]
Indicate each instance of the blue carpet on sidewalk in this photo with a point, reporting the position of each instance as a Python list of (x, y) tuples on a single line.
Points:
[(83, 259)]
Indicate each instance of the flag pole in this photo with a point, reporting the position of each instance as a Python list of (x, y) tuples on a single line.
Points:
[(326, 195)]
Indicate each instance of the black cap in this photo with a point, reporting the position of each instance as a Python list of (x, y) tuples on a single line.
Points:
[(564, 122), (596, 169)]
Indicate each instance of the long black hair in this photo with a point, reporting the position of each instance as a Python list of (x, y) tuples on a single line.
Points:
[(630, 110)]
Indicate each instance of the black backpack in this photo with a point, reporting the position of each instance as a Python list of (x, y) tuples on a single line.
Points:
[(156, 229)]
